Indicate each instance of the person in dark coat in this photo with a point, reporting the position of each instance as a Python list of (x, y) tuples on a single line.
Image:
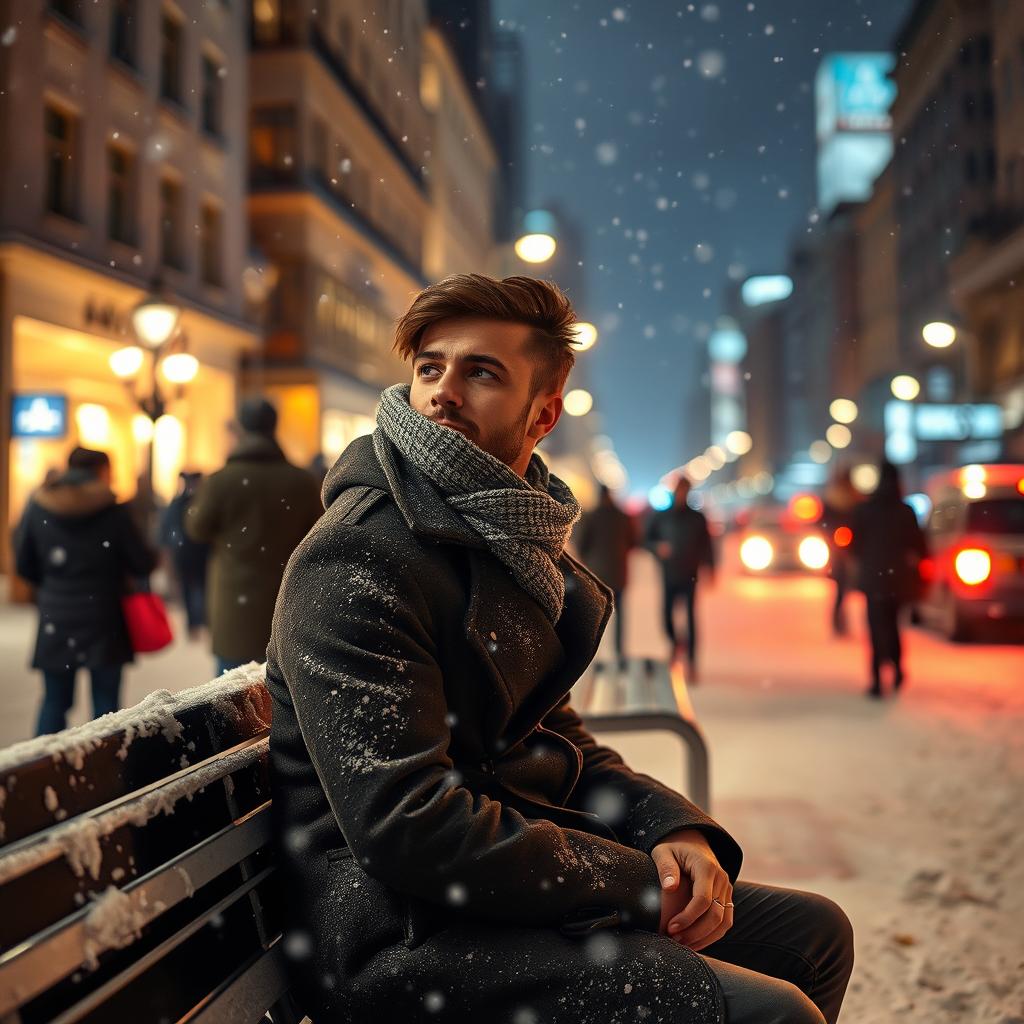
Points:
[(680, 540), (604, 538), (188, 558), (452, 840), (78, 547), (841, 501), (889, 546), (252, 513)]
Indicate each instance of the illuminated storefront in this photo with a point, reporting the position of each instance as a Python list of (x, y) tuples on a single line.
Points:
[(59, 325)]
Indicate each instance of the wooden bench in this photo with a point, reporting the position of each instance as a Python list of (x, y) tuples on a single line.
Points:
[(647, 695), (136, 870)]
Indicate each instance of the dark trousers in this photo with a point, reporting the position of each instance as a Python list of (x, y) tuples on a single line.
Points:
[(841, 575), (193, 597), (884, 629), (59, 695), (618, 624), (786, 960), (673, 593)]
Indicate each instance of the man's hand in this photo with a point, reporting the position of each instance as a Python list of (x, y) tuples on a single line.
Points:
[(696, 895)]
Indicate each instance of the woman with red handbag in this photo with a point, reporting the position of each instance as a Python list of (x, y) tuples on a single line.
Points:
[(77, 546)]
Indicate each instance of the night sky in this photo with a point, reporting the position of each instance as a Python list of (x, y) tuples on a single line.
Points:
[(681, 137)]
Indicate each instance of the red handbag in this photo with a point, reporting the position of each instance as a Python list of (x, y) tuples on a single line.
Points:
[(149, 628)]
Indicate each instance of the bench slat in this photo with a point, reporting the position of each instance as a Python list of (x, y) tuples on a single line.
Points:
[(45, 959), (138, 967), (262, 983)]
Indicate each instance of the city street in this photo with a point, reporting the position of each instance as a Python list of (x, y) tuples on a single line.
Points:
[(906, 811)]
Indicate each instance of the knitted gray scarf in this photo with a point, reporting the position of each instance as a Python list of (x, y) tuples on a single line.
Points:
[(525, 522)]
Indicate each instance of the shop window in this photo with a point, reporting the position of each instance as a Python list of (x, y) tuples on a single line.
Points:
[(211, 243), (124, 31), (120, 195), (171, 45), (213, 95), (69, 10), (272, 144), (171, 214), (61, 154)]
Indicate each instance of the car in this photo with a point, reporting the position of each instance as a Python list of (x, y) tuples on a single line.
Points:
[(783, 538), (974, 576)]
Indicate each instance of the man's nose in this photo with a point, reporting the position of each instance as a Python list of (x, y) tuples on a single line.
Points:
[(446, 391)]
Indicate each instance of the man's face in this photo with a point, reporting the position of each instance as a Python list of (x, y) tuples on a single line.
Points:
[(476, 377)]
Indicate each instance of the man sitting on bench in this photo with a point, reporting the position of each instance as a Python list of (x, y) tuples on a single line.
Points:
[(454, 844)]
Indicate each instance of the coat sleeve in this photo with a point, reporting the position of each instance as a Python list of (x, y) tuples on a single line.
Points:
[(203, 516), (636, 806), (352, 639), (26, 557)]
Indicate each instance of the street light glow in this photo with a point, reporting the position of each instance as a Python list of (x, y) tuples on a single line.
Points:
[(142, 428), (578, 402), (586, 335), (93, 422), (939, 334), (535, 248), (905, 388), (739, 442), (155, 320), (179, 368), (864, 477), (843, 410), (820, 452), (838, 436), (126, 362)]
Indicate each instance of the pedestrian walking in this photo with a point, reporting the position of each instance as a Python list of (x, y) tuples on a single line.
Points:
[(604, 538), (79, 548), (681, 541), (252, 513), (450, 836), (889, 547), (188, 558), (841, 501)]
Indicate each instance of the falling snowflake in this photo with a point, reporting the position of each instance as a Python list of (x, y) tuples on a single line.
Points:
[(711, 63), (607, 153)]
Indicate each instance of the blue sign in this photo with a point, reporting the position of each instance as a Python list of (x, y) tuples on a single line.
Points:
[(958, 422), (39, 416), (853, 93)]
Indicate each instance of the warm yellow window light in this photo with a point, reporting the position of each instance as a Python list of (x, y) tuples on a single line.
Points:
[(142, 428), (93, 422)]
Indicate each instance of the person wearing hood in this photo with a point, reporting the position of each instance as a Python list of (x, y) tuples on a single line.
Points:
[(252, 513), (451, 838), (78, 547), (889, 546)]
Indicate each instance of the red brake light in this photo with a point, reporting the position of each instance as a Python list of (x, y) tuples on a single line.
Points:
[(973, 566), (843, 536)]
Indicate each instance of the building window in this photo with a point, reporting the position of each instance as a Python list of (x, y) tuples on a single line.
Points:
[(70, 10), (170, 59), (123, 31), (61, 173), (213, 95), (170, 223), (211, 243), (272, 145), (121, 195), (274, 22)]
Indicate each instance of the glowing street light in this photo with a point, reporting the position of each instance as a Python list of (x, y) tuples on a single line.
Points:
[(586, 335), (126, 362), (739, 442), (535, 248), (905, 388), (155, 319), (843, 410), (938, 334), (838, 436), (179, 368), (578, 402), (820, 452)]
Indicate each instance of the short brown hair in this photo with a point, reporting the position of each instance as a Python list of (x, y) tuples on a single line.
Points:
[(541, 305)]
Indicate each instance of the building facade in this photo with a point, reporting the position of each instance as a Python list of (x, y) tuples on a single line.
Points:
[(124, 164)]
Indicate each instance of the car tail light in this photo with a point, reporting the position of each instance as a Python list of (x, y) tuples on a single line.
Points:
[(757, 553), (973, 566), (813, 552), (843, 537)]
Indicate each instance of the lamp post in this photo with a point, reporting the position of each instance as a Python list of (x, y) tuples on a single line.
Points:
[(156, 321)]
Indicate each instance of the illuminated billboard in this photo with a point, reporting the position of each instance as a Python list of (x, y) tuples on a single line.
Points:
[(853, 96)]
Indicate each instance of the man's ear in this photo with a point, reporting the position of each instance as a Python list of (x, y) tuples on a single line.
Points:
[(544, 419)]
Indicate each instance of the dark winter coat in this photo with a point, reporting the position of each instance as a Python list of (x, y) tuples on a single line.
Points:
[(447, 825), (686, 531), (79, 548), (888, 545), (604, 538), (252, 513), (188, 556)]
